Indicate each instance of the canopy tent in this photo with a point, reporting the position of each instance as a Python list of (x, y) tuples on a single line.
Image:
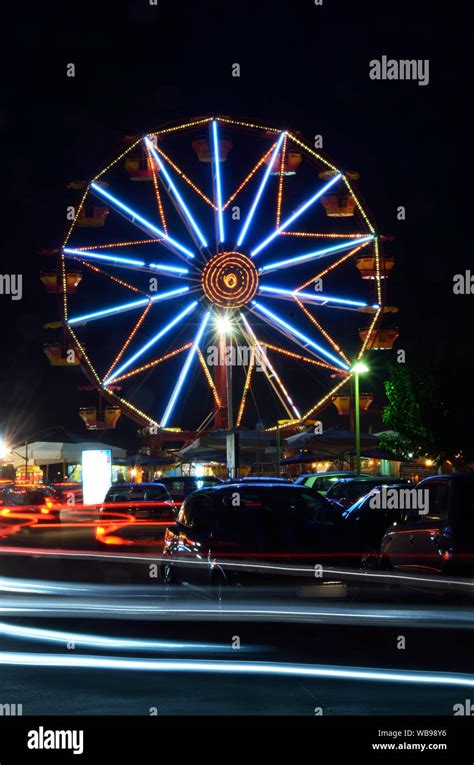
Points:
[(143, 460), (304, 458), (336, 441), (253, 444), (53, 452)]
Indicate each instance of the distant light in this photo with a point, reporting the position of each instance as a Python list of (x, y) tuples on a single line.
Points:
[(360, 368), (4, 449), (224, 325)]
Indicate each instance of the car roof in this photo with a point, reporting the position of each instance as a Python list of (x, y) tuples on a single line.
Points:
[(148, 484), (467, 477), (252, 484), (183, 478), (347, 473), (369, 478)]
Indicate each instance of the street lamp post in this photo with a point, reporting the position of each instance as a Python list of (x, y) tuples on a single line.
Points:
[(358, 368)]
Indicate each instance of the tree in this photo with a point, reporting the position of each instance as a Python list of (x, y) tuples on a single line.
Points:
[(420, 413)]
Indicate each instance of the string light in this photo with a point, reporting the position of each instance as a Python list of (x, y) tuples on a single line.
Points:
[(248, 380), (118, 244), (184, 126), (247, 124), (128, 341), (185, 177), (109, 276), (322, 330), (154, 175), (320, 235), (298, 356), (329, 268), (312, 152), (369, 333), (266, 363), (117, 159), (359, 206), (249, 176), (209, 378), (151, 364), (280, 181)]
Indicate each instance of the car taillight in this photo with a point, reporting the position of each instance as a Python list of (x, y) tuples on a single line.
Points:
[(44, 510), (169, 536)]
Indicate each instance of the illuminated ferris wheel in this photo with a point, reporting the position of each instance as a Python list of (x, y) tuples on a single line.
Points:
[(213, 236)]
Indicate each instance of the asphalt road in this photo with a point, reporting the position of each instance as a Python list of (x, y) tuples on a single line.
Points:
[(269, 660)]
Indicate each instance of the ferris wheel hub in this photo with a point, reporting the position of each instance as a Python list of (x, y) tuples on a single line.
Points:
[(230, 280)]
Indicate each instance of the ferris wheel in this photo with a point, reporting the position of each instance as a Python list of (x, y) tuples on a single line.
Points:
[(219, 273)]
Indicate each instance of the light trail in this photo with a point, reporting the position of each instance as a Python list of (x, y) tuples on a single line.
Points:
[(99, 641), (237, 668)]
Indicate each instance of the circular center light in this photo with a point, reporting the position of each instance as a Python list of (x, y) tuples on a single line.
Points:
[(230, 279)]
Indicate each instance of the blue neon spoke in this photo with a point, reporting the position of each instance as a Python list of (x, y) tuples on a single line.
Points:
[(176, 194), (297, 259), (260, 191), (122, 262), (116, 309), (134, 217), (278, 321), (218, 183), (151, 342), (296, 214), (309, 297), (184, 372)]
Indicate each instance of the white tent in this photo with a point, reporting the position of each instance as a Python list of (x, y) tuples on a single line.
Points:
[(52, 452)]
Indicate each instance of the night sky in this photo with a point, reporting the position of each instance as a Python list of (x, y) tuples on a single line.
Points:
[(304, 67)]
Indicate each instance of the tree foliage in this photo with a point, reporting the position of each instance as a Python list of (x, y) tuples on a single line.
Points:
[(420, 412)]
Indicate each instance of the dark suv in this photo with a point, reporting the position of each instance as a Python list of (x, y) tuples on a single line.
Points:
[(262, 523)]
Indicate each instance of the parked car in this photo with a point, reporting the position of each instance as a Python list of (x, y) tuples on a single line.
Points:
[(349, 490), (263, 478), (39, 500), (69, 492), (181, 486), (322, 482), (366, 521), (440, 541), (142, 500), (247, 521), (151, 506)]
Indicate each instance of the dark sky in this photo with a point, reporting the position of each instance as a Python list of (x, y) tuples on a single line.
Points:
[(302, 66)]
